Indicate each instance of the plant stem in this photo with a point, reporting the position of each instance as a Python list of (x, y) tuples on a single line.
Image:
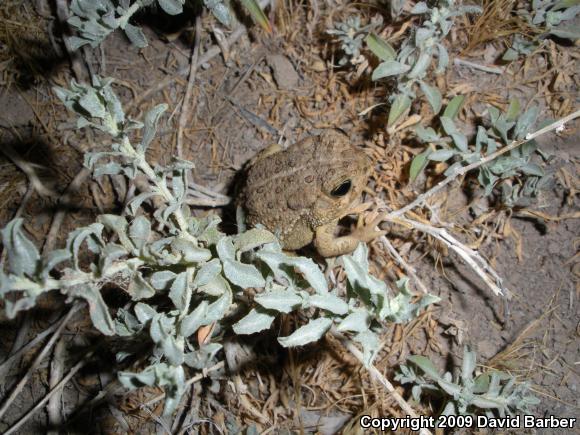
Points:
[(162, 188), (379, 377)]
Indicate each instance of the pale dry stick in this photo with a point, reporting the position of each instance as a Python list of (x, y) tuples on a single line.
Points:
[(5, 366), (83, 362), (399, 259), (182, 415), (190, 417), (53, 407), (207, 202), (191, 381), (159, 421), (197, 195), (373, 371), (485, 68), (202, 193), (471, 257), (556, 125), (186, 106), (10, 399)]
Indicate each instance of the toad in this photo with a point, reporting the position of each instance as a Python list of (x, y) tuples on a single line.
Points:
[(300, 193)]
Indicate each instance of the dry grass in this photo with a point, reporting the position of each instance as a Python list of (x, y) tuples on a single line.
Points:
[(26, 52), (497, 22)]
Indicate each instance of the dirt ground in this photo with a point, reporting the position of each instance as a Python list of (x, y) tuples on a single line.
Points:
[(282, 87)]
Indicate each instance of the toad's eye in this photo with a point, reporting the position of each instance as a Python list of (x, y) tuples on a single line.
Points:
[(342, 189)]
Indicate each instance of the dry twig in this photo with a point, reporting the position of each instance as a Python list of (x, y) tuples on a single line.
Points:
[(84, 361), (185, 107), (471, 257), (399, 259), (7, 364), (53, 408), (348, 344), (485, 68), (10, 399)]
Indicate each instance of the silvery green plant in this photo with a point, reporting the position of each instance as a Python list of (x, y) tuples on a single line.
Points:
[(491, 392), (550, 14), (94, 20), (219, 10), (396, 7), (450, 144), (351, 34), (414, 59), (369, 301), (519, 46), (196, 273)]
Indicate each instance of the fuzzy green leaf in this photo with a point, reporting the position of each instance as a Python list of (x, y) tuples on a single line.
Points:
[(207, 272), (243, 275), (172, 7), (252, 239), (135, 35), (370, 343), (23, 257), (441, 155), (253, 322), (329, 302), (426, 365), (283, 301), (180, 291), (389, 68), (191, 323), (312, 331), (358, 321), (433, 96), (150, 126), (454, 106), (257, 14), (418, 164), (381, 48), (400, 105)]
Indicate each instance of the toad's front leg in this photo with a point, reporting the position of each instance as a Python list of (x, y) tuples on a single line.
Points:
[(329, 245)]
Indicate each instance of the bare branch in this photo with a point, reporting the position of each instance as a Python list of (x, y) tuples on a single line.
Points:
[(350, 346), (10, 399), (185, 107)]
